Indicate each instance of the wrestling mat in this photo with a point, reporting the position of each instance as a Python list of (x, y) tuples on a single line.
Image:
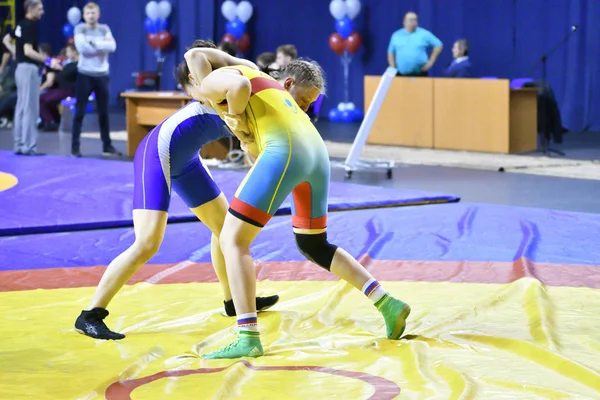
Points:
[(64, 194), (505, 300)]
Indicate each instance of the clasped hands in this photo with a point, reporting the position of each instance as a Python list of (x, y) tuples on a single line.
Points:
[(239, 126)]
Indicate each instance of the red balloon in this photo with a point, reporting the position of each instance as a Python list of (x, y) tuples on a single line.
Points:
[(353, 42), (336, 43), (153, 40), (244, 43), (228, 37), (164, 40)]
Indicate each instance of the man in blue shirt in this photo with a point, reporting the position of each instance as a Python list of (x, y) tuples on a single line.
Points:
[(408, 47), (461, 66)]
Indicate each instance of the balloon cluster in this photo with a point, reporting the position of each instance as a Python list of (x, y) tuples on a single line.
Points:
[(345, 112), (345, 42), (345, 39), (157, 24), (237, 15), (74, 17)]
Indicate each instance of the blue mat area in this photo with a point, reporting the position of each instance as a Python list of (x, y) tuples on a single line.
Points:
[(447, 232), (62, 194)]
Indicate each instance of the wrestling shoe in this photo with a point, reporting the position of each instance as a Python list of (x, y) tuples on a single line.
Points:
[(90, 323), (395, 313), (247, 344), (262, 304), (111, 151)]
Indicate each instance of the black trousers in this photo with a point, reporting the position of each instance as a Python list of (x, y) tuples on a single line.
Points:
[(84, 86), (422, 74)]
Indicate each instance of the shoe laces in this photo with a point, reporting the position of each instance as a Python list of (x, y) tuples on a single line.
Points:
[(231, 345)]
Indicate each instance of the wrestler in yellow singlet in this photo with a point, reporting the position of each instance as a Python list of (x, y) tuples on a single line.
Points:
[(292, 159)]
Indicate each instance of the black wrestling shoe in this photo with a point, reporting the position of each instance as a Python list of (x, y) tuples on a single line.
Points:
[(111, 151), (262, 304), (75, 152), (90, 323)]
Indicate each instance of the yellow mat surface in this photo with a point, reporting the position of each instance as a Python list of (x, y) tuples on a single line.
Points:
[(466, 341)]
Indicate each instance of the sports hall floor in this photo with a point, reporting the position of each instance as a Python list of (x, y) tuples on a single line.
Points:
[(502, 271)]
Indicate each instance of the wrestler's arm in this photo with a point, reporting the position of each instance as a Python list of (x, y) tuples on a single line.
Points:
[(227, 85), (219, 59)]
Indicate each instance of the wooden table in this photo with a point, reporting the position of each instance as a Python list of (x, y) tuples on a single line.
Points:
[(457, 114), (145, 110)]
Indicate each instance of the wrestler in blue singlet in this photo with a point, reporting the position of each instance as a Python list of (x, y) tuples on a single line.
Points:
[(169, 155)]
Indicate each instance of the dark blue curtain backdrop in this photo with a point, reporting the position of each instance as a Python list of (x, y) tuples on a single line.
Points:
[(507, 38)]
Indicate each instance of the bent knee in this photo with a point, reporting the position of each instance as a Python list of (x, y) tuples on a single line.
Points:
[(147, 247), (230, 239), (316, 248)]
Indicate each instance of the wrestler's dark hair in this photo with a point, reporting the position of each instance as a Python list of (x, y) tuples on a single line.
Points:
[(182, 72), (228, 47), (264, 60)]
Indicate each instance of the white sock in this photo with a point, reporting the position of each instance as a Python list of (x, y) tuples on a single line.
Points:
[(373, 290), (247, 322)]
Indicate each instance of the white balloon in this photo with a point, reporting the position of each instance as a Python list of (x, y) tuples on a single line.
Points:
[(244, 11), (229, 10), (74, 16), (353, 8), (337, 8), (164, 9), (342, 107), (350, 106), (152, 10)]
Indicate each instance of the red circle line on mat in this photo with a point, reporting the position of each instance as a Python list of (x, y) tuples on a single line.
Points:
[(384, 388)]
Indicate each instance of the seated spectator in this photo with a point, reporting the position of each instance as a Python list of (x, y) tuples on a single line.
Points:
[(8, 89), (6, 59), (65, 81), (48, 74), (461, 65), (228, 47), (285, 55)]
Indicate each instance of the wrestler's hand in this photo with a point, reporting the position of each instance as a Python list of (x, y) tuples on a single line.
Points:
[(239, 126), (250, 148)]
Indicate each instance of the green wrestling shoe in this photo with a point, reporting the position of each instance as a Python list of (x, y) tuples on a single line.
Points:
[(395, 313), (247, 344)]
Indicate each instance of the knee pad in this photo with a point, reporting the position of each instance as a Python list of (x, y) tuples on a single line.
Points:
[(316, 248)]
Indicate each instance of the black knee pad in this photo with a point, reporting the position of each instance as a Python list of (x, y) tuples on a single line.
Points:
[(316, 248)]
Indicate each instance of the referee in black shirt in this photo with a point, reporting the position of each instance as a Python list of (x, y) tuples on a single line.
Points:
[(27, 77)]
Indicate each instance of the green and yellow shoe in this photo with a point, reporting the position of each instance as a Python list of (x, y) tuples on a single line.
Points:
[(395, 313), (247, 344)]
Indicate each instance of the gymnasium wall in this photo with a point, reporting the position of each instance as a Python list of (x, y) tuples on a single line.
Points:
[(507, 39)]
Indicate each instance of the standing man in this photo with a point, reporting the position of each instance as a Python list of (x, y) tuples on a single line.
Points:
[(407, 51), (27, 77), (94, 42)]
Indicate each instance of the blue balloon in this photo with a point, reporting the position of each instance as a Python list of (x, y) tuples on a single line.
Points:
[(68, 30), (344, 27), (357, 115), (335, 115), (68, 102), (150, 25), (163, 24), (236, 28), (348, 115)]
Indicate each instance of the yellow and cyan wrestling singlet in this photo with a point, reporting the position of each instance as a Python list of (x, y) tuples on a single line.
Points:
[(271, 110)]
